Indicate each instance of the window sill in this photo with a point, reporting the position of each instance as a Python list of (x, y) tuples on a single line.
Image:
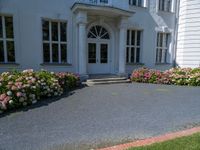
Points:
[(137, 7), (135, 64), (165, 12), (55, 64), (162, 64), (9, 64)]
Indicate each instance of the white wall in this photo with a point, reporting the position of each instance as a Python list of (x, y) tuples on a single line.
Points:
[(28, 31), (188, 47)]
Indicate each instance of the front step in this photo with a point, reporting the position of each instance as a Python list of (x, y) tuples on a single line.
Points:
[(113, 80)]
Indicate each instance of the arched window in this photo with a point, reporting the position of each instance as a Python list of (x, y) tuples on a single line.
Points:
[(98, 32)]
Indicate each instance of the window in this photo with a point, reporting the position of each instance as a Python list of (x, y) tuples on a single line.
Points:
[(136, 2), (165, 5), (162, 47), (54, 41), (7, 48), (133, 46), (104, 1)]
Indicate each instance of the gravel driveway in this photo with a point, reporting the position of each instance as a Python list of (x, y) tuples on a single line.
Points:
[(101, 115)]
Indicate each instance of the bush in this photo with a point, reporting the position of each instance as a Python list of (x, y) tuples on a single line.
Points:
[(177, 76), (19, 89)]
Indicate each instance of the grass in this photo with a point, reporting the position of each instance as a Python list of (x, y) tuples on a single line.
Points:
[(184, 143)]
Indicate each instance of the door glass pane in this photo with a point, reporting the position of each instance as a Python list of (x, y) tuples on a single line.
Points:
[(1, 27), (63, 30), (55, 52), (104, 53), (127, 55), (45, 28), (91, 53), (128, 37), (54, 29), (10, 51), (1, 52), (46, 52), (63, 53), (9, 27)]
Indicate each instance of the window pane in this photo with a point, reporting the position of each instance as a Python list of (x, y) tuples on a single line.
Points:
[(55, 53), (63, 53), (160, 56), (128, 37), (45, 28), (9, 27), (10, 51), (138, 37), (140, 3), (138, 55), (104, 53), (1, 52), (161, 40), (134, 2), (46, 52), (132, 55), (133, 38), (54, 29), (91, 53), (127, 55), (1, 27), (63, 30)]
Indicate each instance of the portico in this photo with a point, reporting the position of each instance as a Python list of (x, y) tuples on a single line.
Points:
[(101, 50)]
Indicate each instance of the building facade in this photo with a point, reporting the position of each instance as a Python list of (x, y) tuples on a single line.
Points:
[(94, 36)]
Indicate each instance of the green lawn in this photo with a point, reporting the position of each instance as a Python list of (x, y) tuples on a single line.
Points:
[(185, 143)]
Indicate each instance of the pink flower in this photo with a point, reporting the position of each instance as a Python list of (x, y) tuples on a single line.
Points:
[(19, 94), (2, 97)]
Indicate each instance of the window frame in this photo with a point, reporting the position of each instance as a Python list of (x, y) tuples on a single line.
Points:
[(4, 39), (163, 5), (137, 3), (135, 47), (50, 42), (163, 49)]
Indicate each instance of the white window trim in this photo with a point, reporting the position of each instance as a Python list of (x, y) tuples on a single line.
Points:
[(59, 42), (144, 3), (164, 49), (171, 9), (133, 46), (5, 39)]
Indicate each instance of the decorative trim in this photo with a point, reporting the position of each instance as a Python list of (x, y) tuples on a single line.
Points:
[(56, 64), (135, 64), (163, 64), (9, 64)]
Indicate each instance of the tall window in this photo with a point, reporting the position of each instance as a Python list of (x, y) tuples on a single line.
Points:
[(165, 5), (54, 41), (136, 2), (133, 46), (162, 47), (7, 48)]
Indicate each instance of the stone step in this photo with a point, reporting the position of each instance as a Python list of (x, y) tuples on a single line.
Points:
[(107, 79), (107, 82)]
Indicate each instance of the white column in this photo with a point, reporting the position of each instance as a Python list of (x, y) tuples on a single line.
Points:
[(122, 46), (81, 19), (82, 49)]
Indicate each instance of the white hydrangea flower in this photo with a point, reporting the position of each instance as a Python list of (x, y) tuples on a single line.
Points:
[(9, 93), (21, 100), (11, 102)]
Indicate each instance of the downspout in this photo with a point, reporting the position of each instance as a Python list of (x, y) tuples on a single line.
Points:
[(176, 32)]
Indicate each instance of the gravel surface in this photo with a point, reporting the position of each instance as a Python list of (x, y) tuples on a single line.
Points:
[(101, 116)]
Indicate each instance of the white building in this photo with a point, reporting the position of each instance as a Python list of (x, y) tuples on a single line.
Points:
[(98, 36)]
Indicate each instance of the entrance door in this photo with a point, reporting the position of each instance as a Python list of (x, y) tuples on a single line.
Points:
[(98, 58)]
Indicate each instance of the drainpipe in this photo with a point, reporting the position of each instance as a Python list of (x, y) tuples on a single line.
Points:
[(176, 32)]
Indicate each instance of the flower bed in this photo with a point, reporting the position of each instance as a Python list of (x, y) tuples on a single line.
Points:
[(19, 89), (176, 76)]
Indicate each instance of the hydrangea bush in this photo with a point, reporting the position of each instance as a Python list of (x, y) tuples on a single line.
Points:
[(177, 76), (19, 89)]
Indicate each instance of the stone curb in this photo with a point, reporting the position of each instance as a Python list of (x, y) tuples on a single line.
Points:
[(149, 141)]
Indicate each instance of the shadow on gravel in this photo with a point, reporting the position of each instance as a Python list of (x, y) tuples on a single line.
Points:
[(41, 103)]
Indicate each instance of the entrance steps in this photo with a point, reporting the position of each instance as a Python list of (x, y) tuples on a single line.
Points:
[(106, 79)]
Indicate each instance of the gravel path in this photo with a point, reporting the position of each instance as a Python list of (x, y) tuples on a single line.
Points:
[(101, 116)]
